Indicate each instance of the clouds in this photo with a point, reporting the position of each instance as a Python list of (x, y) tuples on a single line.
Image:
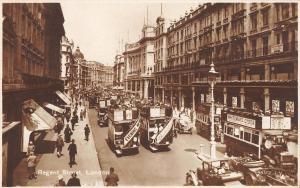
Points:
[(97, 27)]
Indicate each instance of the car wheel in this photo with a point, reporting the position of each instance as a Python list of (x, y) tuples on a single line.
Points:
[(248, 180)]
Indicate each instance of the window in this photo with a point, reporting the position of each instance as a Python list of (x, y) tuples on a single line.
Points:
[(294, 9), (254, 22), (236, 132), (254, 48), (225, 32), (285, 10), (278, 38), (218, 34), (219, 15), (265, 45), (195, 27), (225, 12), (265, 15), (230, 130), (255, 137), (247, 136)]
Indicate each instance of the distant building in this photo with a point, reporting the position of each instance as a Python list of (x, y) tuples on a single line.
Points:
[(68, 71), (139, 64), (82, 70), (31, 69), (96, 70), (108, 76), (119, 71)]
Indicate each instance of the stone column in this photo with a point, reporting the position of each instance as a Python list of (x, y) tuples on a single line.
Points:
[(267, 72), (267, 99), (179, 97), (225, 96), (146, 89), (141, 89), (136, 84), (163, 95), (194, 106), (243, 73), (242, 97), (171, 96)]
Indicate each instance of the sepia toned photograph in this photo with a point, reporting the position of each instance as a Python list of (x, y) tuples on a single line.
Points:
[(149, 93)]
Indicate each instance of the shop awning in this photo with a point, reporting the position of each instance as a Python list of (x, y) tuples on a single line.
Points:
[(63, 97), (53, 107), (67, 96), (35, 118)]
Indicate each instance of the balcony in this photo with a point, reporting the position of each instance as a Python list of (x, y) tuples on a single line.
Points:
[(238, 15)]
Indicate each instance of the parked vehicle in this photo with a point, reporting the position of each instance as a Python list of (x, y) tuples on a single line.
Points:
[(213, 172), (183, 125), (123, 130)]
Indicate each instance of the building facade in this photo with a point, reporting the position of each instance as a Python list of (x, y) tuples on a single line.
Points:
[(31, 69), (108, 76), (254, 49), (68, 71), (96, 70), (139, 64), (119, 70)]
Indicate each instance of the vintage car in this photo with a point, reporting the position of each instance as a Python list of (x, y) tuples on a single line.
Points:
[(183, 125), (255, 172), (102, 112), (213, 172)]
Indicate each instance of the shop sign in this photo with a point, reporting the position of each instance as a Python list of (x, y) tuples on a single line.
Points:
[(275, 105), (289, 108), (241, 120), (280, 123), (234, 102)]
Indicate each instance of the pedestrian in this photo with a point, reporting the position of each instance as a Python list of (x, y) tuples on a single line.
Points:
[(81, 115), (30, 148), (60, 125), (31, 164), (59, 145), (87, 132), (72, 152), (68, 133), (84, 112), (74, 181), (73, 121), (68, 116), (112, 178), (60, 182)]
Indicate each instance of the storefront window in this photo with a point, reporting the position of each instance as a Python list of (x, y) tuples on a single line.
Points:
[(247, 136), (236, 133), (242, 135)]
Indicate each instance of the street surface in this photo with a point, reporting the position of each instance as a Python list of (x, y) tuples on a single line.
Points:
[(167, 168)]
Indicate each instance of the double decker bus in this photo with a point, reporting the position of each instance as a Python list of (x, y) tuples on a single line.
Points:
[(157, 127), (123, 129)]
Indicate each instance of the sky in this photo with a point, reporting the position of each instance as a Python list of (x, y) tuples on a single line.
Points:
[(99, 27)]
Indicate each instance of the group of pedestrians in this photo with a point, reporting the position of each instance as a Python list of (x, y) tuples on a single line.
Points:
[(73, 181)]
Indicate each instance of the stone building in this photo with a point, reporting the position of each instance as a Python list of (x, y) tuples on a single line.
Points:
[(253, 46), (139, 64), (31, 69), (96, 70), (119, 71)]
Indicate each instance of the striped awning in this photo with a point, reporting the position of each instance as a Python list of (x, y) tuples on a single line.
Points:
[(53, 107)]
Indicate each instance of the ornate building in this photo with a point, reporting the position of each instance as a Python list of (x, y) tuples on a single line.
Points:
[(139, 64), (96, 70), (31, 69)]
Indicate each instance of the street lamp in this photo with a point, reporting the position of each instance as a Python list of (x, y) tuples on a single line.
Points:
[(212, 75)]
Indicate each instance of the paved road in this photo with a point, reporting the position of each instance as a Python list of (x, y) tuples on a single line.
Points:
[(146, 168)]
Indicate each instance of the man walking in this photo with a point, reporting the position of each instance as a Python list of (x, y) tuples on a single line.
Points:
[(59, 145), (87, 132), (68, 134), (112, 178), (73, 121), (72, 152)]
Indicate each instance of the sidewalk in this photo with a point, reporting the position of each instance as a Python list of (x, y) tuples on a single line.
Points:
[(50, 166)]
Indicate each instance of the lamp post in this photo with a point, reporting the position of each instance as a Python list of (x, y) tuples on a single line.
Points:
[(212, 75)]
